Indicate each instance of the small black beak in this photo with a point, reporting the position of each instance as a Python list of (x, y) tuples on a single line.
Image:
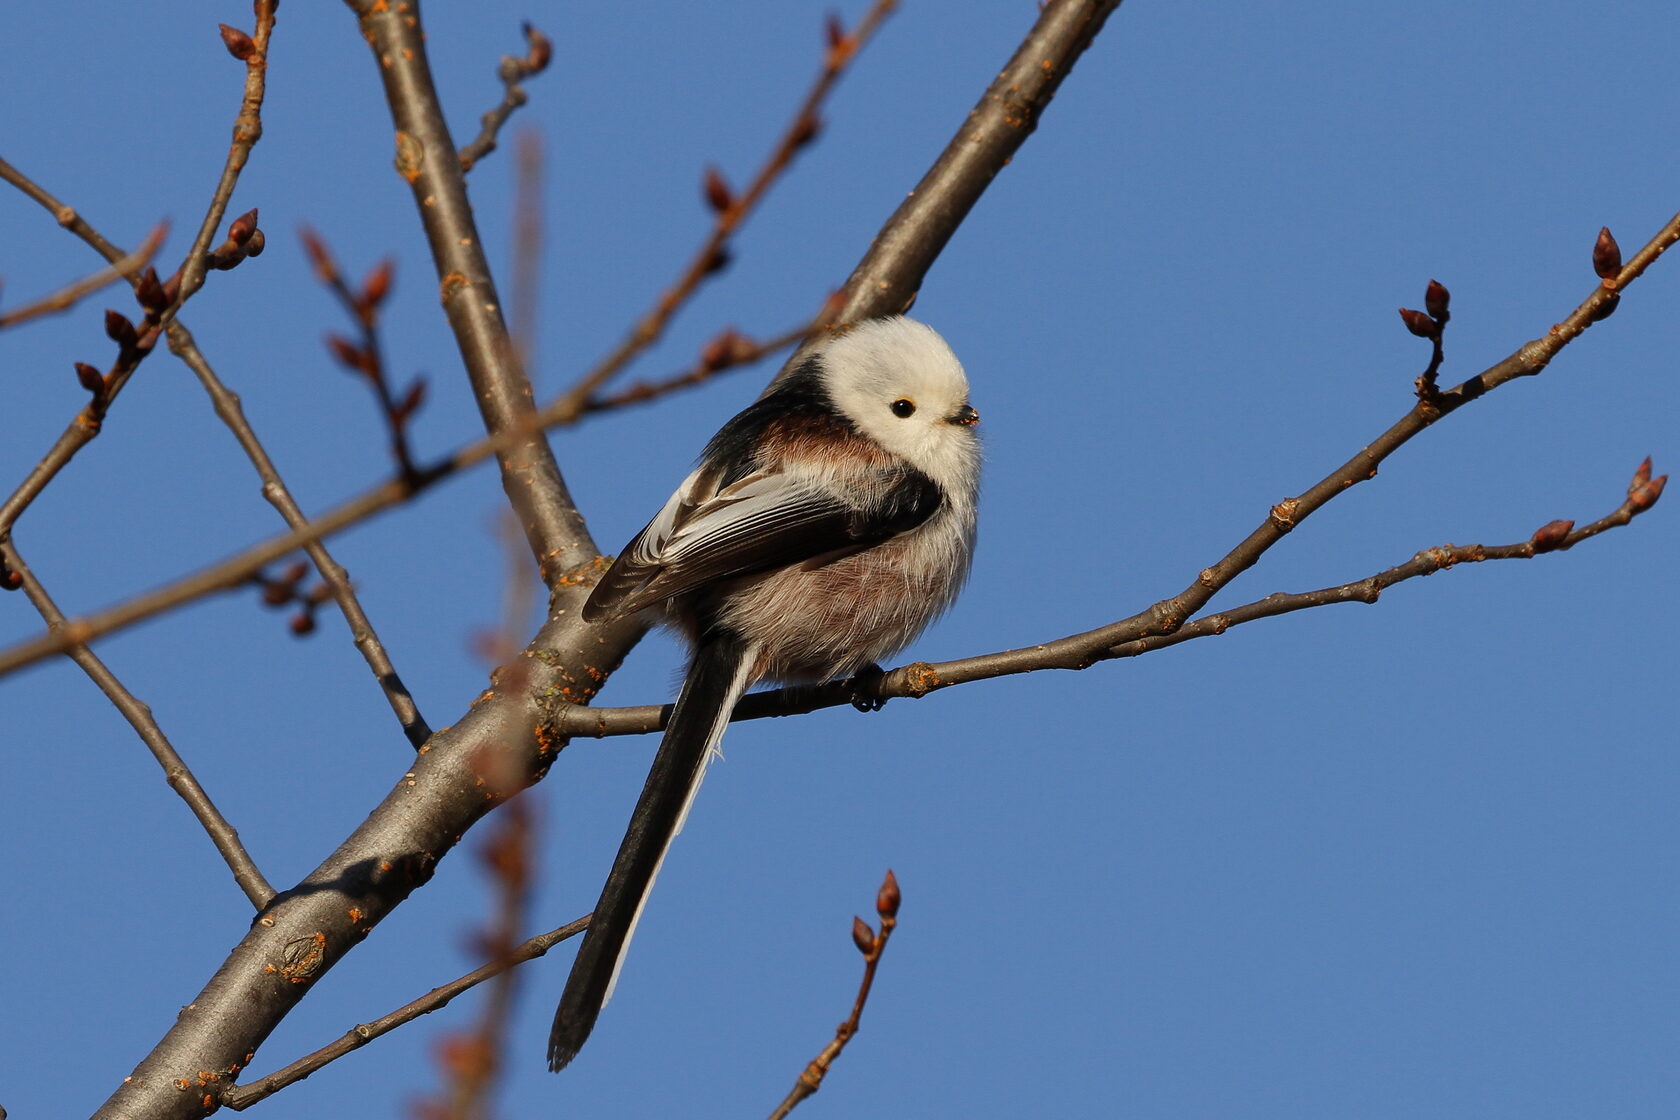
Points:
[(966, 416)]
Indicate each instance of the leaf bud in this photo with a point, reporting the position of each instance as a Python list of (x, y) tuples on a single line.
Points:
[(887, 900), (1606, 255), (238, 44), (718, 195), (1550, 535), (1419, 323), (862, 936), (1435, 298), (120, 331)]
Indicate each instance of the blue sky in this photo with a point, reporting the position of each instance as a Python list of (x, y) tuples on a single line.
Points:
[(1414, 859)]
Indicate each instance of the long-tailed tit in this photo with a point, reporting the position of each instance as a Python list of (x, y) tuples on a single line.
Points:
[(825, 526)]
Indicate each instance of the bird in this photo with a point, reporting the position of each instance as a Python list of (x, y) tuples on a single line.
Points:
[(823, 528)]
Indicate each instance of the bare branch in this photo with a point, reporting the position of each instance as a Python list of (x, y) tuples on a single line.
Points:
[(512, 71), (732, 209), (871, 944), (247, 130), (244, 1096), (232, 413), (139, 716), (124, 268), (1131, 637), (164, 301), (237, 570), (427, 160), (886, 280)]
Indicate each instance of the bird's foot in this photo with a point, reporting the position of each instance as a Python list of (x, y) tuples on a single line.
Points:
[(866, 689)]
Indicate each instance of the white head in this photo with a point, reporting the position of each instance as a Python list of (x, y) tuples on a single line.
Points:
[(899, 383)]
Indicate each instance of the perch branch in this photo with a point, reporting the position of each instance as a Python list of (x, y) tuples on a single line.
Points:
[(1131, 637)]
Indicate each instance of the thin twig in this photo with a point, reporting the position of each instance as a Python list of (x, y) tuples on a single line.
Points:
[(886, 280), (237, 570), (232, 413), (732, 209), (244, 1096), (124, 268), (871, 944), (366, 357), (247, 130), (428, 161), (728, 351), (139, 716), (512, 71), (1129, 638), (186, 281)]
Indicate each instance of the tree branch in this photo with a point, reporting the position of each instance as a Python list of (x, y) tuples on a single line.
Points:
[(237, 570), (124, 268), (232, 413), (307, 929), (139, 716), (732, 210), (871, 944), (512, 71), (428, 161), (163, 301), (244, 1096), (1131, 637), (886, 280)]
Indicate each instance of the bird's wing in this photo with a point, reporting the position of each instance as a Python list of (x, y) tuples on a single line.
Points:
[(766, 520)]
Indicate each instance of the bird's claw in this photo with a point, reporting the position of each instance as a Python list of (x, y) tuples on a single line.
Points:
[(866, 689)]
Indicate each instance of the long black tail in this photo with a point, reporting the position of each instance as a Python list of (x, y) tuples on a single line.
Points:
[(720, 672)]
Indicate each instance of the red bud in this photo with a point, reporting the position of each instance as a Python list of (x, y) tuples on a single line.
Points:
[(718, 261), (9, 580), (717, 353), (1641, 476), (348, 353), (833, 31), (862, 936), (238, 44), (303, 623), (242, 227), (120, 331), (718, 195), (1550, 535), (1606, 255), (540, 52), (887, 900), (377, 285), (91, 379), (1419, 323), (1435, 299), (412, 400), (1645, 496), (326, 270), (149, 291), (805, 130)]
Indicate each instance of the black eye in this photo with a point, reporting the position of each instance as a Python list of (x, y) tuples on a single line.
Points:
[(903, 407)]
